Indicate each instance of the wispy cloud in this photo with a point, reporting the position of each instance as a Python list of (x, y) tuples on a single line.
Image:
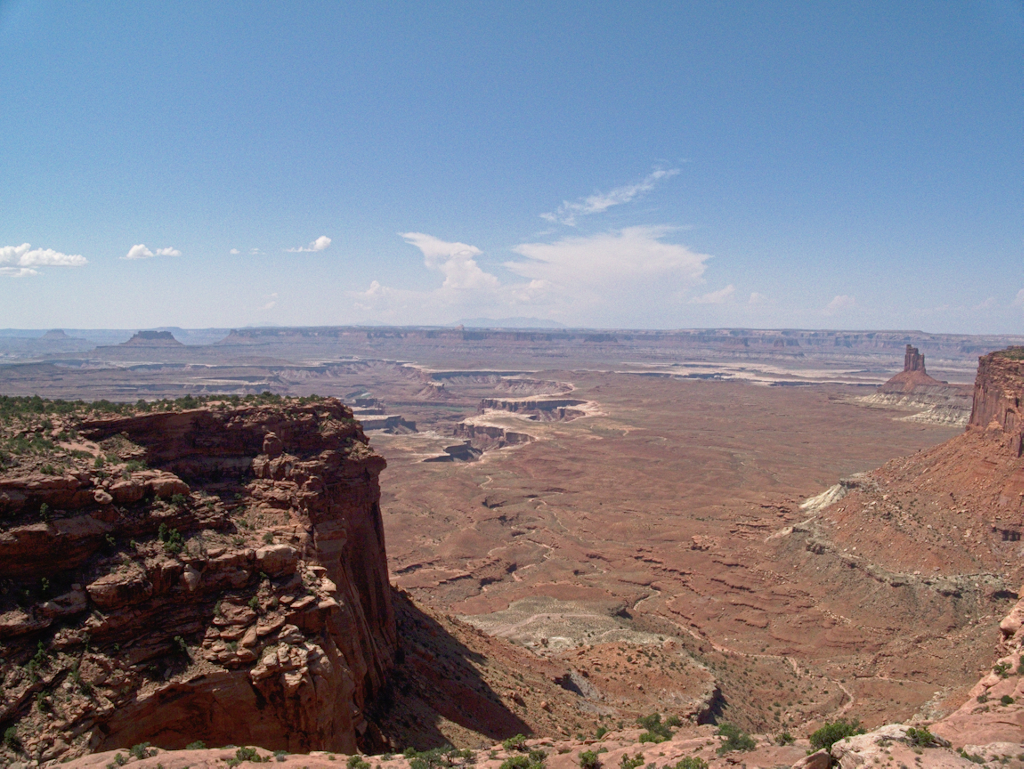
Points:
[(141, 252), (756, 298), (272, 303), (1019, 301), (599, 202), (841, 303), (715, 297), (254, 252), (319, 244), (23, 261), (234, 251), (455, 260), (987, 304)]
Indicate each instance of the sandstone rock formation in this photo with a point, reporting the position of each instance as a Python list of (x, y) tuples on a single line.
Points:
[(236, 592), (998, 392), (914, 390)]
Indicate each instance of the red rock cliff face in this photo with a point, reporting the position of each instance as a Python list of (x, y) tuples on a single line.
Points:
[(998, 393), (236, 593)]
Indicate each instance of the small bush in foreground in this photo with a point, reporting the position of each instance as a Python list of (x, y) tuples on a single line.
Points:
[(589, 760), (692, 762), (735, 739), (833, 731)]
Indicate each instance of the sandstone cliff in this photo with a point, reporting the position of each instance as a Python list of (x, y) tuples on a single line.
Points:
[(998, 392), (213, 574)]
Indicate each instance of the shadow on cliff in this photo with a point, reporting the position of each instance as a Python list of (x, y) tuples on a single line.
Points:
[(436, 679)]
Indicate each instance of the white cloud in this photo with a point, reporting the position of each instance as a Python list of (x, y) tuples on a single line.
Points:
[(455, 260), (319, 244), (635, 258), (254, 251), (22, 261), (619, 277), (1019, 301), (987, 304), (756, 298), (141, 252), (600, 202), (841, 303), (234, 251), (715, 297)]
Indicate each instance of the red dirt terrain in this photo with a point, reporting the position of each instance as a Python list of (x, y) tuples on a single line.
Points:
[(676, 545)]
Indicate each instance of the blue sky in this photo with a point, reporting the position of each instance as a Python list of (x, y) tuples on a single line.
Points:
[(662, 165)]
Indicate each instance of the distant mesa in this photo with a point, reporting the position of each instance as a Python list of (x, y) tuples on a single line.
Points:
[(913, 375), (55, 335), (152, 339)]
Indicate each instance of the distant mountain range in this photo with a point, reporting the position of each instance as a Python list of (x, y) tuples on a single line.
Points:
[(508, 323)]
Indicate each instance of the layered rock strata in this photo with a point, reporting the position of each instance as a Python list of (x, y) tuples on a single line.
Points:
[(235, 591)]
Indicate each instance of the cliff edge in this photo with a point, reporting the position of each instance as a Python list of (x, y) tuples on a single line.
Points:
[(212, 574)]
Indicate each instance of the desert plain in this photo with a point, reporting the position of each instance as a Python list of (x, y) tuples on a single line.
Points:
[(599, 526)]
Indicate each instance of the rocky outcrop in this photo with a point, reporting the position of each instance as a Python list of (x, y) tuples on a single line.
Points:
[(994, 710), (487, 437), (235, 591), (912, 377), (537, 410), (998, 392), (930, 400)]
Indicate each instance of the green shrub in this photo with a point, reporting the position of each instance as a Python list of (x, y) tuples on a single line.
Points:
[(357, 762), (631, 763), (174, 543), (785, 739), (921, 737), (197, 745), (1006, 699), (178, 500), (589, 760), (247, 754), (657, 731), (601, 732), (517, 742), (142, 750), (11, 739), (833, 731), (692, 762), (735, 739)]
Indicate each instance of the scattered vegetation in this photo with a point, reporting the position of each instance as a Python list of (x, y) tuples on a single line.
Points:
[(632, 763), (142, 750), (1013, 353), (247, 754), (357, 762), (692, 762), (833, 731), (174, 543), (785, 739), (589, 760), (197, 745), (656, 729), (1006, 699), (11, 739), (517, 742), (735, 739), (921, 737)]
